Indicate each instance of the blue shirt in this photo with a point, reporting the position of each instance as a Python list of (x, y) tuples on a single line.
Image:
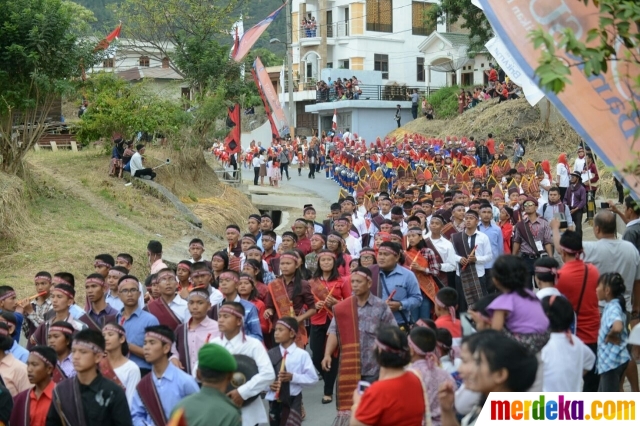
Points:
[(134, 328), (494, 233), (251, 318), (18, 352), (114, 302), (76, 311), (172, 387), (98, 316), (611, 356), (16, 333), (405, 283)]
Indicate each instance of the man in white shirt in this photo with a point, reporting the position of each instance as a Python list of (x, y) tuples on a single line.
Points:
[(444, 249), (472, 250), (354, 245), (230, 323), (346, 135), (579, 164), (137, 169)]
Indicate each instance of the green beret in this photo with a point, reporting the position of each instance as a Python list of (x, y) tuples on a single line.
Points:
[(215, 357)]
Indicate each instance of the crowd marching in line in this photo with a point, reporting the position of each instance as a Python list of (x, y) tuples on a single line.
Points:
[(442, 273)]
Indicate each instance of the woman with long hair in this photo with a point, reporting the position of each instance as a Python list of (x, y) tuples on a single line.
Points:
[(398, 397), (367, 257), (289, 294), (318, 242), (116, 365), (336, 244), (506, 226), (219, 264), (248, 291), (302, 267), (422, 261), (254, 268), (328, 289)]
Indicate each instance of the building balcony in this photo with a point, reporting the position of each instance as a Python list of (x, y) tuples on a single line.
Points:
[(309, 36)]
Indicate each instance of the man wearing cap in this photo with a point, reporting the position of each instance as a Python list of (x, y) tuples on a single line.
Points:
[(216, 366), (576, 199), (532, 237)]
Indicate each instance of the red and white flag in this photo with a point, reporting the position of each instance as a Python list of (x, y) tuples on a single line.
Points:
[(105, 42), (334, 124)]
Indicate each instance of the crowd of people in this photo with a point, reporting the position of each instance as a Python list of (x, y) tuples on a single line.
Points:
[(309, 26), (406, 301), (125, 158), (338, 90)]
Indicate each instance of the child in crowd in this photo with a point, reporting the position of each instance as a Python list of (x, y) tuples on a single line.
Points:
[(112, 298), (275, 174), (285, 393), (445, 309), (447, 354), (247, 291), (116, 365), (566, 358), (517, 311), (613, 355), (35, 310), (30, 407), (16, 350), (8, 302), (422, 346), (59, 339), (89, 395), (546, 275)]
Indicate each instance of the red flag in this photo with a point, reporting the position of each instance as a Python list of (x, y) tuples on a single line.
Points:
[(178, 418), (232, 141), (104, 43), (334, 123)]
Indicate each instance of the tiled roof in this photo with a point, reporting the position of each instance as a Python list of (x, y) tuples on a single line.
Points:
[(457, 39)]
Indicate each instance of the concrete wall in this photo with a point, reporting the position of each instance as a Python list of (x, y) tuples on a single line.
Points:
[(259, 134)]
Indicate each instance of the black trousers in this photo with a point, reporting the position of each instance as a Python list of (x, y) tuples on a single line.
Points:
[(563, 190), (530, 262), (620, 190), (592, 379), (462, 301), (414, 110), (145, 172), (256, 175), (312, 170), (318, 338), (284, 168), (577, 221)]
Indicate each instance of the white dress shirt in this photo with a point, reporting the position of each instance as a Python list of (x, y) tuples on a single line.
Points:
[(359, 223), (180, 307), (564, 363), (354, 245), (299, 363), (216, 297), (447, 253), (483, 253), (255, 412)]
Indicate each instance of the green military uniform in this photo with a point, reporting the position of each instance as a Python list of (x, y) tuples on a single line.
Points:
[(200, 409)]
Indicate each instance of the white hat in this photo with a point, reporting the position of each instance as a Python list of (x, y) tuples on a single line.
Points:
[(634, 336)]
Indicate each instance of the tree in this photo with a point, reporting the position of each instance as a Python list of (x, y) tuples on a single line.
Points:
[(40, 55), (117, 106), (473, 19)]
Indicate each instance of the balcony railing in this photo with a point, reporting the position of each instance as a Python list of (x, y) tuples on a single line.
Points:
[(336, 29), (374, 93)]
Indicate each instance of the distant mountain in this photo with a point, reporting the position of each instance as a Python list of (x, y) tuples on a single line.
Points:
[(256, 11)]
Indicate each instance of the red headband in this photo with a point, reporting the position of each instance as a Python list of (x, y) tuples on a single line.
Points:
[(284, 324), (184, 266), (196, 245), (388, 250), (289, 256), (41, 358), (326, 253), (452, 310), (88, 345), (7, 295), (101, 263), (122, 259), (42, 277), (63, 291), (95, 281), (128, 280), (114, 329), (229, 276), (158, 336), (64, 330), (362, 274), (200, 273), (58, 280)]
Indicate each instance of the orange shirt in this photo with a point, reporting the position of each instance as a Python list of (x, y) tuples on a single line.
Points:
[(454, 328), (38, 408)]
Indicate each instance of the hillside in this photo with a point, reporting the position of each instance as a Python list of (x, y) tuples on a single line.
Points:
[(69, 210)]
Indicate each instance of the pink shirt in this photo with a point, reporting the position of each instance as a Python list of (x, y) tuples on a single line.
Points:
[(158, 266), (197, 337)]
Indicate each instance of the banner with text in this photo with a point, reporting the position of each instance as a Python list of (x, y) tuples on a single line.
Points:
[(279, 117), (597, 107)]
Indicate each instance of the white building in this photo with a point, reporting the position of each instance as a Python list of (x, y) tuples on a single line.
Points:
[(134, 60)]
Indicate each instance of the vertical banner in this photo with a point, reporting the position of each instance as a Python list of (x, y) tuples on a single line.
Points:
[(232, 141), (270, 94), (274, 129), (597, 107), (249, 38)]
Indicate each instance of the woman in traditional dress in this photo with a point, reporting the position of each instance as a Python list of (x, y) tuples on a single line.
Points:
[(248, 291), (336, 244)]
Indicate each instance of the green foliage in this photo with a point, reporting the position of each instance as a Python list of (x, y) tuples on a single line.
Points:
[(618, 24), (82, 18), (40, 55), (268, 58), (116, 106), (445, 102), (473, 17)]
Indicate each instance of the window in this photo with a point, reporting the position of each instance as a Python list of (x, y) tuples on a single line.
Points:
[(420, 69), (420, 25), (329, 64), (165, 62), (381, 63), (380, 15), (107, 63), (144, 61), (344, 64)]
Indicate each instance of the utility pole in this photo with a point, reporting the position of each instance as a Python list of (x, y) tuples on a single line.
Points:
[(289, 47)]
